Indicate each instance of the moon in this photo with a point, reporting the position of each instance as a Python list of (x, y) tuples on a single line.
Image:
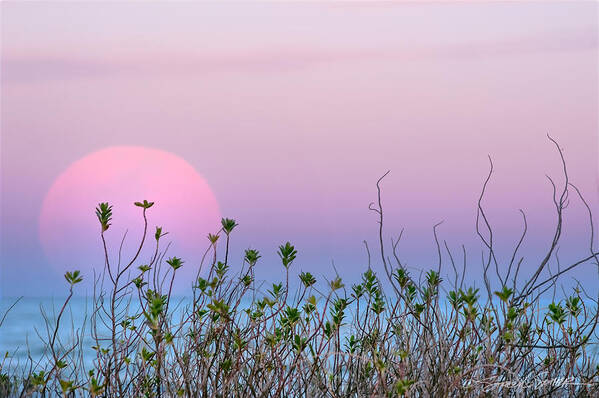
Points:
[(185, 207)]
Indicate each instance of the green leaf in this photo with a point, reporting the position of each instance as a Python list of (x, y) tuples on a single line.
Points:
[(145, 204), (228, 225), (175, 262)]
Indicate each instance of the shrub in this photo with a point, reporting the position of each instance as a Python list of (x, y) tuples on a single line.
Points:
[(394, 336)]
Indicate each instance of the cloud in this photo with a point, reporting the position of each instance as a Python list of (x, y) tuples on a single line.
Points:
[(31, 68)]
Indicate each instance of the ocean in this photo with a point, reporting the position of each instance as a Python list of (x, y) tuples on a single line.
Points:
[(24, 333)]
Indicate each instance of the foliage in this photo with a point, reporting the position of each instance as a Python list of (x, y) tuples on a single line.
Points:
[(392, 336)]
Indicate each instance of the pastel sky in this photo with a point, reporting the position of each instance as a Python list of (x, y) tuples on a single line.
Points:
[(291, 112)]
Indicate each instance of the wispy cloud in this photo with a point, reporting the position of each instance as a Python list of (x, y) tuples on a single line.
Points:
[(27, 68)]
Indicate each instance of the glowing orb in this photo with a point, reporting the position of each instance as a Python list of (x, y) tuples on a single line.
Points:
[(185, 207)]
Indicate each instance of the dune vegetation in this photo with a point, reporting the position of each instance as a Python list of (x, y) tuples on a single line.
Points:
[(391, 333)]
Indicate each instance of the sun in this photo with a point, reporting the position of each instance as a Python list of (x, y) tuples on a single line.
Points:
[(185, 207)]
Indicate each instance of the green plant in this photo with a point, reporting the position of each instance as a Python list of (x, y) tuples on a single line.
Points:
[(406, 335)]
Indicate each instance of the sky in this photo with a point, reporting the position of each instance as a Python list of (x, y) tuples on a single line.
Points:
[(289, 113)]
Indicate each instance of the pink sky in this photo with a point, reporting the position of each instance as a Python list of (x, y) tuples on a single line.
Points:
[(291, 112)]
